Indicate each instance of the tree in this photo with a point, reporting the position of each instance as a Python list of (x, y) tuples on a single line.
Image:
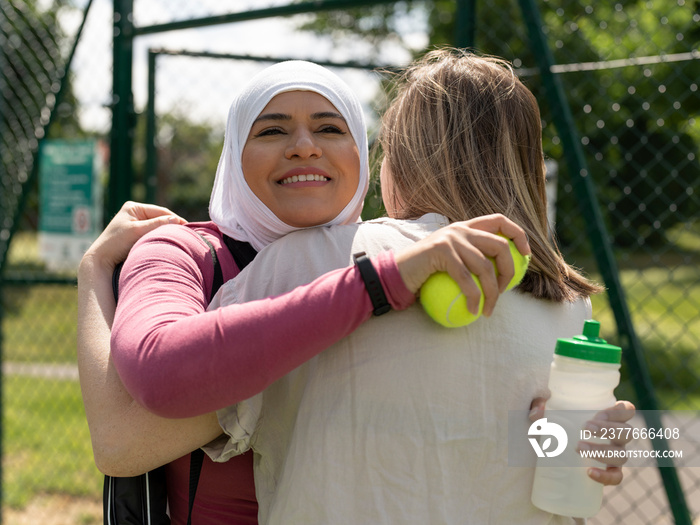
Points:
[(188, 155)]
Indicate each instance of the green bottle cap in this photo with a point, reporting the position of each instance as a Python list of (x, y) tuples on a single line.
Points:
[(589, 346)]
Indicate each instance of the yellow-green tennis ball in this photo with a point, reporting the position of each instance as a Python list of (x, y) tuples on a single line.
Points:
[(443, 301), (520, 262)]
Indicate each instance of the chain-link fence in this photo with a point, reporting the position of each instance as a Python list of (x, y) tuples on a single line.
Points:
[(45, 444), (629, 70)]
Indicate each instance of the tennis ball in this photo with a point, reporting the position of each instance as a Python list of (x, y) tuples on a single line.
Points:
[(442, 299), (520, 262)]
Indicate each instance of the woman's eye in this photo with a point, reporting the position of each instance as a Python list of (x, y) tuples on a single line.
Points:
[(268, 132), (331, 129)]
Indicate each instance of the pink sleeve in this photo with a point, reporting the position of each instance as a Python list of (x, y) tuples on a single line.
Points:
[(179, 360)]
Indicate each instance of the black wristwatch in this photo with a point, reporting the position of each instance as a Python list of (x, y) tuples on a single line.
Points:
[(372, 283)]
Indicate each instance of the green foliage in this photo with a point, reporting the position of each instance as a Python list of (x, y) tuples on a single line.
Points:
[(188, 154), (66, 124), (636, 122), (376, 24)]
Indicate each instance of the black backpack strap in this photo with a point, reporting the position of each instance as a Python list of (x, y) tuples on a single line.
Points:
[(242, 251), (218, 274), (196, 462), (197, 456), (115, 280)]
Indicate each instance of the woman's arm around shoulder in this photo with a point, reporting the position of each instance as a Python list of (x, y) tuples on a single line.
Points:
[(127, 440)]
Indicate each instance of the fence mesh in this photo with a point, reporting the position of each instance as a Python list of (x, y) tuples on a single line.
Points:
[(630, 71), (42, 419)]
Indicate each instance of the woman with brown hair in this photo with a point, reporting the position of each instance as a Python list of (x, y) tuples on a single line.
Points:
[(472, 130)]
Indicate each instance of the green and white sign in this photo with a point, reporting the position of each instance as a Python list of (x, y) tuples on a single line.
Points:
[(70, 204)]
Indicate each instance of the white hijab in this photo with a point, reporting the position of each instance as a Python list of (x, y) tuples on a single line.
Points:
[(233, 207)]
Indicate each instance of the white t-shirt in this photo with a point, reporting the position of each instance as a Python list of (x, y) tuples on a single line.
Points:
[(403, 421)]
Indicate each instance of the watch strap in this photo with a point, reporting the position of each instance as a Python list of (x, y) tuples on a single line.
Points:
[(372, 283)]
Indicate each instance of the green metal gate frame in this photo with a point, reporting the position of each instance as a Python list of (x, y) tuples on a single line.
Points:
[(121, 162)]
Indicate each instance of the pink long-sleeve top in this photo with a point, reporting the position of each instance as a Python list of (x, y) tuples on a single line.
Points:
[(179, 360)]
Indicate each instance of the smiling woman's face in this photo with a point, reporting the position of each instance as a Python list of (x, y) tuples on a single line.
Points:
[(301, 160)]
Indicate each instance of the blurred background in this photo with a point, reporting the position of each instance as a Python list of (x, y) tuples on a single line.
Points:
[(618, 89)]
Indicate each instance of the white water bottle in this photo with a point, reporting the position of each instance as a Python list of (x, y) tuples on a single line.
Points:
[(584, 374)]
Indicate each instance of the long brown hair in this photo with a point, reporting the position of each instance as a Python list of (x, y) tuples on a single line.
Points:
[(463, 138)]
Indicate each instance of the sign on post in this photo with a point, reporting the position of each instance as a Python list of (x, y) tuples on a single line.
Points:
[(70, 203)]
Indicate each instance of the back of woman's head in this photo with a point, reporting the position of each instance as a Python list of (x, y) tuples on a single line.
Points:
[(463, 138)]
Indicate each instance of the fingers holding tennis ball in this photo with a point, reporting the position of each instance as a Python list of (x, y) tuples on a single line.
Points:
[(465, 249), (521, 262), (443, 300)]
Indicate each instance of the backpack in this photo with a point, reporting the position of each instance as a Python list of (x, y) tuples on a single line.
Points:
[(143, 500)]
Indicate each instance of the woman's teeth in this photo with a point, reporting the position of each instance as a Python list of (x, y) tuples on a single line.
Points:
[(303, 178)]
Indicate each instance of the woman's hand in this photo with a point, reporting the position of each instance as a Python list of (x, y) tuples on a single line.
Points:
[(462, 249), (132, 222), (615, 417)]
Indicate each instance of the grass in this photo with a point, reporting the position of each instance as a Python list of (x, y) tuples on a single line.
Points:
[(46, 441), (40, 323), (24, 248), (665, 306)]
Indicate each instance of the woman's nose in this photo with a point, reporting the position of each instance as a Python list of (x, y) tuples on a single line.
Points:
[(303, 144)]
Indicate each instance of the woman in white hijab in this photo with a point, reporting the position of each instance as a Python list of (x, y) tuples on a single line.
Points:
[(180, 361), (235, 208)]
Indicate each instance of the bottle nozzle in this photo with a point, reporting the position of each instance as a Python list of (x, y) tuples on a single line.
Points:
[(591, 329), (589, 345)]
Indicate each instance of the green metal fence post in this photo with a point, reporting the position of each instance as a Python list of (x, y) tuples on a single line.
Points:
[(151, 175), (121, 140), (465, 23), (3, 256), (583, 186), (2, 388)]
